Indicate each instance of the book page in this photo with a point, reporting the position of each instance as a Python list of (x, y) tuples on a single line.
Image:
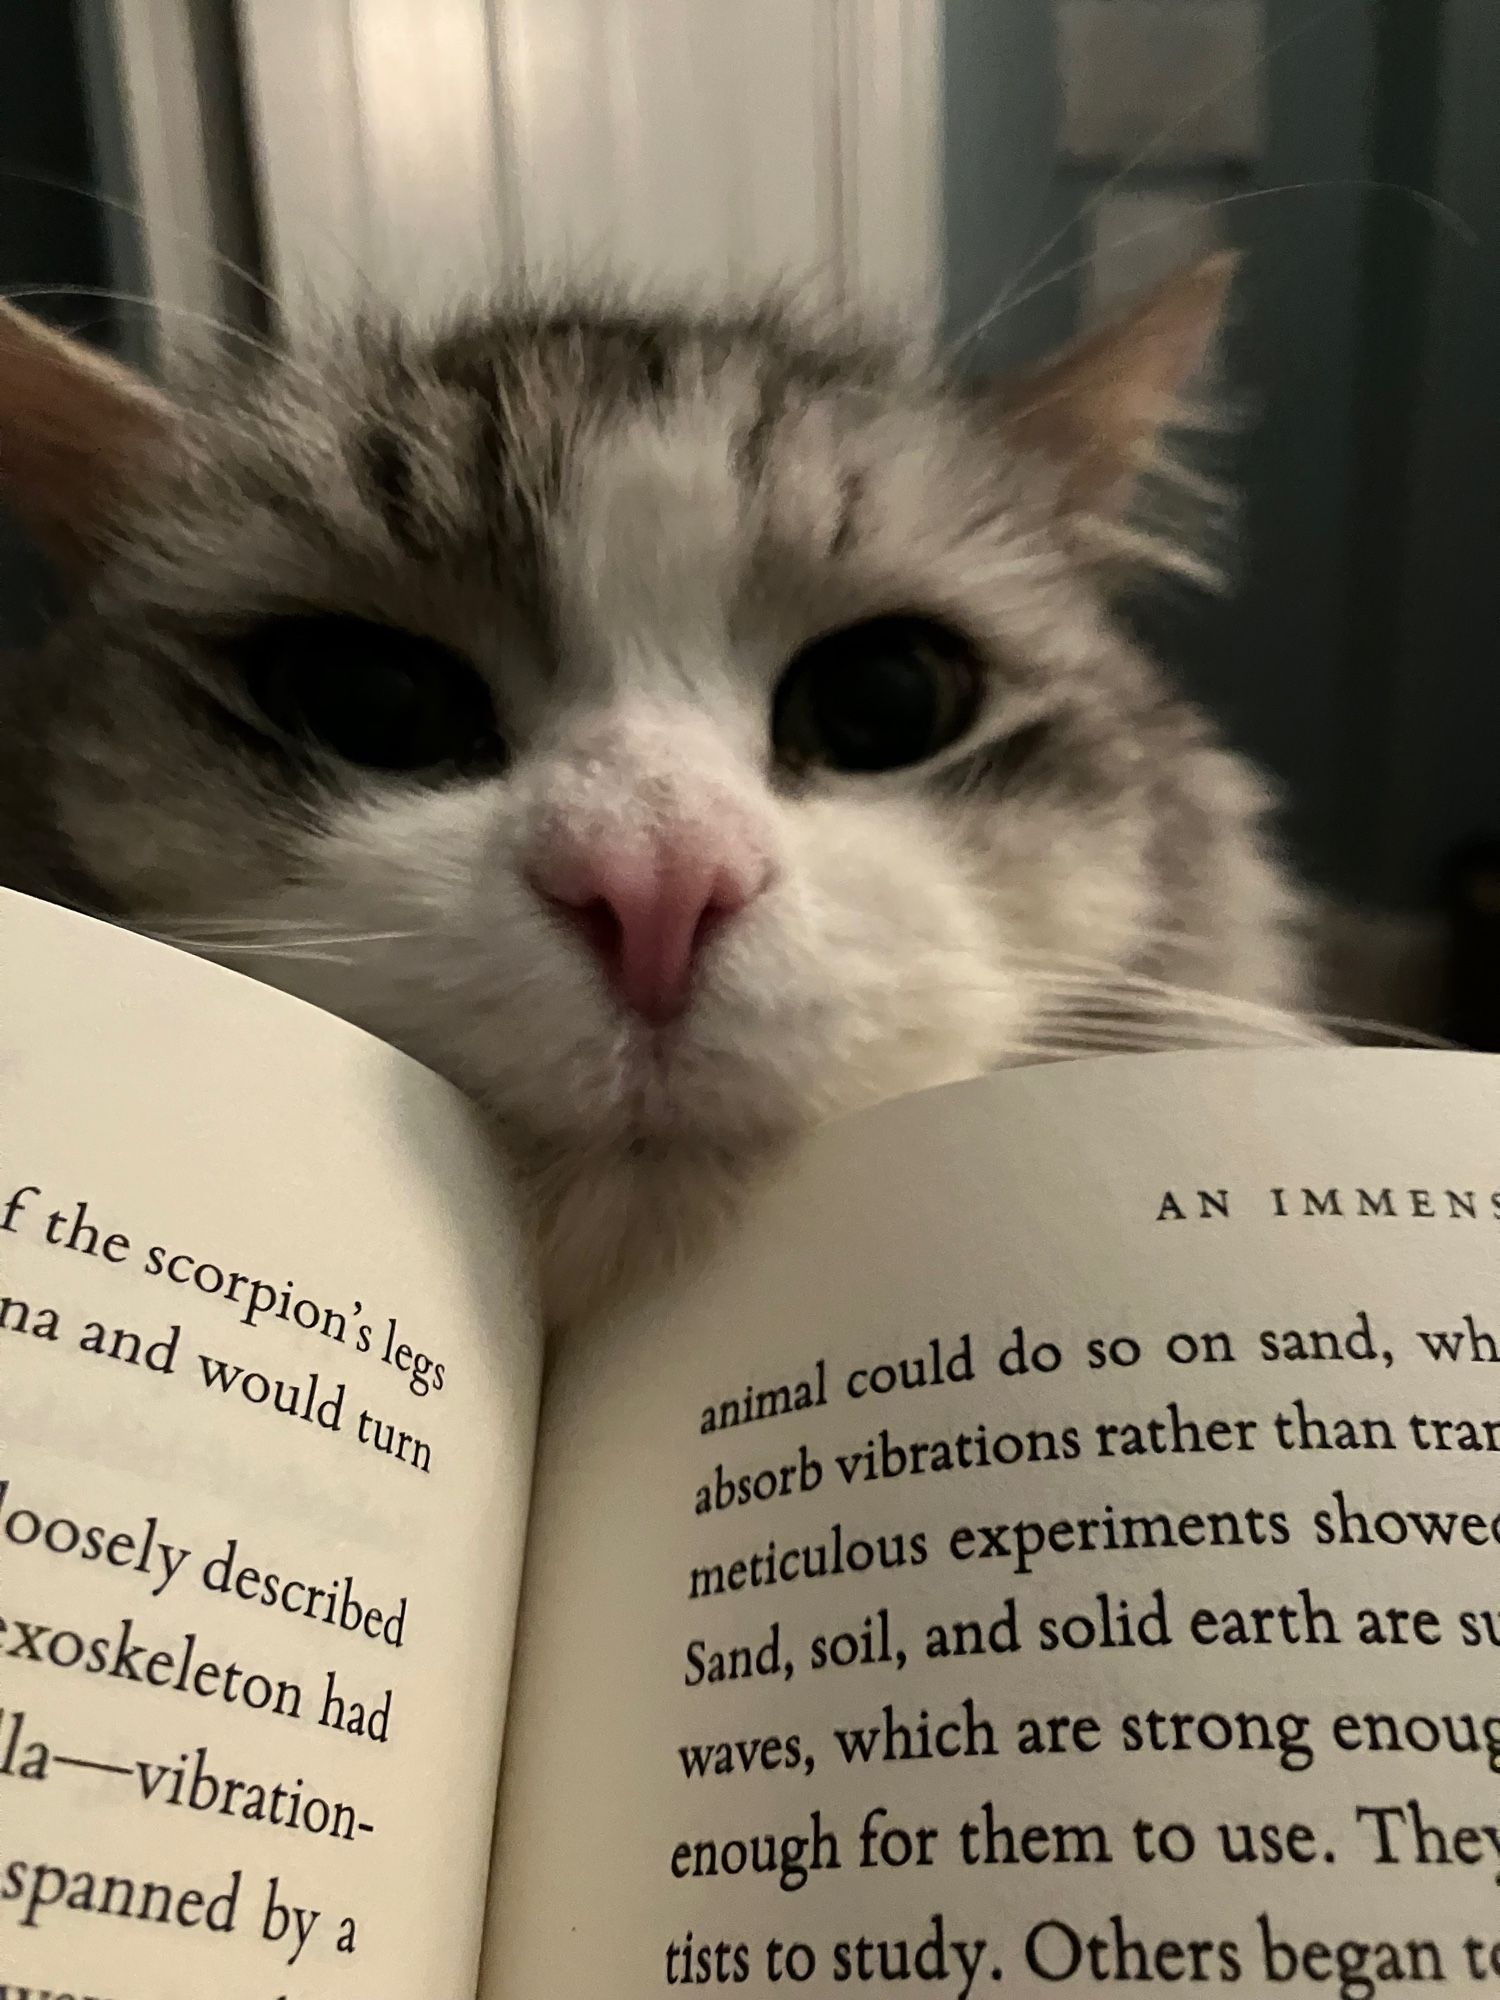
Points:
[(1056, 1547), (267, 1412)]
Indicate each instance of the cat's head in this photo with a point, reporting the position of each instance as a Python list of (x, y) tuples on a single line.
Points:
[(674, 728)]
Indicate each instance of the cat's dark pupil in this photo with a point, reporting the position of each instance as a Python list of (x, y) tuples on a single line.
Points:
[(373, 695), (876, 696), (872, 714)]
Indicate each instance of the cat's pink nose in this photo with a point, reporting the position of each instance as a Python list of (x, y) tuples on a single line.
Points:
[(647, 912)]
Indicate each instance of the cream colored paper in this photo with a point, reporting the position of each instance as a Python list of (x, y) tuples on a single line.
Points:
[(1032, 1200), (200, 1115)]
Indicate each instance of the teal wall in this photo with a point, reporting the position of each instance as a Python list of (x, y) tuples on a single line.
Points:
[(1004, 200), (1353, 658), (1273, 660), (54, 247), (1435, 773)]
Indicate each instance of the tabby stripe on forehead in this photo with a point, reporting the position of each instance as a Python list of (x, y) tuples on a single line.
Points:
[(385, 473), (755, 439), (511, 507), (851, 497), (653, 360)]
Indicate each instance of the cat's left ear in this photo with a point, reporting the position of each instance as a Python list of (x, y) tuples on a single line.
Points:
[(1100, 409), (77, 431)]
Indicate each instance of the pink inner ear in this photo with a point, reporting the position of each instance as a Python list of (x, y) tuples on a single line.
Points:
[(1095, 407), (74, 429)]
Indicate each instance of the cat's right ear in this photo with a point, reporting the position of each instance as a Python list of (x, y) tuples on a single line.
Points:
[(1106, 413), (77, 429)]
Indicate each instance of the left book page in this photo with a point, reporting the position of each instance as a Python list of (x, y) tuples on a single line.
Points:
[(268, 1384)]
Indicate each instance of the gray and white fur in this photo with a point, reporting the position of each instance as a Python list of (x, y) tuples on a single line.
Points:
[(628, 526)]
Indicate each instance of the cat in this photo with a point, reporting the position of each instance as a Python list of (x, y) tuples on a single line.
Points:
[(676, 727)]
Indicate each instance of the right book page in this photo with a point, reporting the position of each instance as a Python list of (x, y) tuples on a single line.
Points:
[(1056, 1544)]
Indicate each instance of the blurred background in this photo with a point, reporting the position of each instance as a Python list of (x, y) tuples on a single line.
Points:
[(1004, 169)]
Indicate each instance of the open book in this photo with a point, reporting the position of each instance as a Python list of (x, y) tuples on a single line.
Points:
[(1056, 1542)]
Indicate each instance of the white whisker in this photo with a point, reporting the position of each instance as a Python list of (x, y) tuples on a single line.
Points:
[(1440, 211), (277, 946), (1243, 73), (312, 953), (136, 213)]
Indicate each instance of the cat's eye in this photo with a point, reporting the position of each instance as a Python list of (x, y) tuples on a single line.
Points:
[(371, 694), (876, 696)]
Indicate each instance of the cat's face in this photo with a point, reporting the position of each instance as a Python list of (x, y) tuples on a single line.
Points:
[(676, 732)]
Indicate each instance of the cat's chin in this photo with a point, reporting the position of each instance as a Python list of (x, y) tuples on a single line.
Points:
[(616, 1214), (613, 1219), (641, 1092)]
